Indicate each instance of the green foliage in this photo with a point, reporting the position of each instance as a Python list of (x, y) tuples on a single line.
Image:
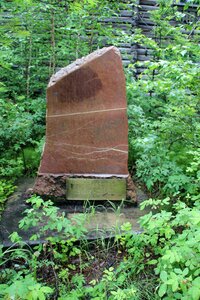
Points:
[(164, 129), (169, 244), (162, 262), (61, 234), (41, 37), (32, 156), (19, 128), (23, 280), (20, 282), (55, 221), (6, 189), (25, 288), (112, 285)]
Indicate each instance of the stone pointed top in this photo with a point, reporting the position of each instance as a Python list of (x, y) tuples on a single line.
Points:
[(80, 62)]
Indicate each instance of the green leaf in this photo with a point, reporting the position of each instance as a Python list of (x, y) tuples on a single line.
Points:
[(195, 293), (59, 226), (163, 276), (47, 289), (41, 295), (15, 237), (162, 290), (175, 285), (152, 262)]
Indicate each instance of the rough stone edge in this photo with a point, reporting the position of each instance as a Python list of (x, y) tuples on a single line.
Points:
[(79, 63), (54, 187)]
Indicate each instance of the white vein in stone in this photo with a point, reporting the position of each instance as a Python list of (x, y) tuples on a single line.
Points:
[(104, 149), (98, 151), (86, 112)]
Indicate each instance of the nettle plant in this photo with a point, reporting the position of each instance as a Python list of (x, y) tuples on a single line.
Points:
[(170, 245)]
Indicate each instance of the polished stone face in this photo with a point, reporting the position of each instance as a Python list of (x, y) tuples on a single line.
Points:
[(87, 128)]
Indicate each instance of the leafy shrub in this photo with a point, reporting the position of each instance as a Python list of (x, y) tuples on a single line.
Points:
[(32, 157), (161, 174), (19, 129), (54, 221), (164, 103), (60, 233), (25, 288), (12, 168), (6, 189), (169, 244)]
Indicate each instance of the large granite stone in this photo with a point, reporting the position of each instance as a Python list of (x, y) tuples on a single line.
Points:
[(87, 128)]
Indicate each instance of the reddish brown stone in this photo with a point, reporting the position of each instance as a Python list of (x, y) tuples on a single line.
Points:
[(87, 128), (52, 186), (130, 190)]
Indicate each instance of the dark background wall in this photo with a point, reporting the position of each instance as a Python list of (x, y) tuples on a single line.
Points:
[(137, 15)]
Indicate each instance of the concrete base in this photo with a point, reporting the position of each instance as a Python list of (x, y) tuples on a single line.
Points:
[(54, 187)]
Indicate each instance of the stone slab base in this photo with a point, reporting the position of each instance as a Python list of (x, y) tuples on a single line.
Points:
[(54, 187)]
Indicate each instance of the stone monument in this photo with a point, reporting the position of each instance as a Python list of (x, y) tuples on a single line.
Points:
[(86, 150)]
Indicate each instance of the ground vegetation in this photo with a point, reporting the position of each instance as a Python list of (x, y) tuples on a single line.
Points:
[(162, 262)]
